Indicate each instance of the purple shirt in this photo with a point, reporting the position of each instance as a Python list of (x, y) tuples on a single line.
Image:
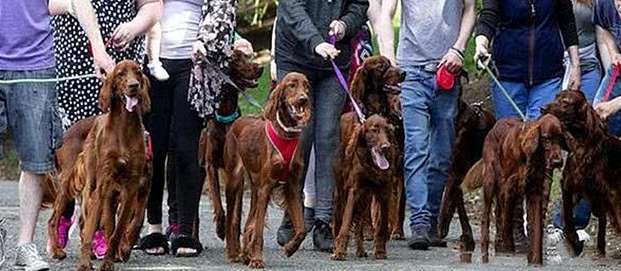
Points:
[(26, 41)]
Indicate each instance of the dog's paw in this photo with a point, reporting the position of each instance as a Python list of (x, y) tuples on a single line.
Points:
[(397, 236), (84, 268), (256, 264), (107, 266), (123, 255), (58, 254), (338, 256), (380, 255), (361, 254)]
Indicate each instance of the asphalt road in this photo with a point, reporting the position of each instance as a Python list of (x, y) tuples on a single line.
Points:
[(213, 258)]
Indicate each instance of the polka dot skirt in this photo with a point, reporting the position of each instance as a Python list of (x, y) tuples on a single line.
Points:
[(78, 98)]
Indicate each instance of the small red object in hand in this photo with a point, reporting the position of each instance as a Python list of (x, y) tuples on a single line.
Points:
[(445, 80)]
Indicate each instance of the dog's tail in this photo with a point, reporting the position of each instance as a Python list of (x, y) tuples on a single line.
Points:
[(474, 178)]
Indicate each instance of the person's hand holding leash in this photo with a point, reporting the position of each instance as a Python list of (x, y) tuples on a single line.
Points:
[(605, 109), (327, 50), (337, 28), (103, 62), (482, 51), (452, 60), (123, 36), (616, 60), (198, 49)]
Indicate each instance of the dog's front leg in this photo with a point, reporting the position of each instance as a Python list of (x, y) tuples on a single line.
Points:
[(340, 242), (294, 209), (534, 200), (256, 244), (91, 219), (60, 204), (381, 227), (120, 229)]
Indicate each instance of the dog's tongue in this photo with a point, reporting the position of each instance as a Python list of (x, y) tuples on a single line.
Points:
[(130, 103), (379, 159)]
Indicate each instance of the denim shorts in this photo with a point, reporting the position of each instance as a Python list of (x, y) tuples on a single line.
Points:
[(30, 113)]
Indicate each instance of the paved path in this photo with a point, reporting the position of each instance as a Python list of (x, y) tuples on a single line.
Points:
[(399, 256)]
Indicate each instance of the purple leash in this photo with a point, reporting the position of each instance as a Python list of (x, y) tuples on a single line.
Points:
[(343, 82)]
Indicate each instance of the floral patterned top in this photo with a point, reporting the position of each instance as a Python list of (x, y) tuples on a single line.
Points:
[(208, 72)]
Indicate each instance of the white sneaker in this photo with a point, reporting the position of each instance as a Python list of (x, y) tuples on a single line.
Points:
[(27, 258), (554, 236), (584, 236), (156, 69)]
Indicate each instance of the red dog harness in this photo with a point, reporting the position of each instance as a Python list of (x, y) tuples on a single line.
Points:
[(285, 146)]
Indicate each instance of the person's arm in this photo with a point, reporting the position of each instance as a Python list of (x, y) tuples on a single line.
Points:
[(85, 13), (604, 55), (454, 58), (293, 14), (149, 12), (380, 14), (486, 28), (355, 16), (604, 37), (567, 24), (606, 109)]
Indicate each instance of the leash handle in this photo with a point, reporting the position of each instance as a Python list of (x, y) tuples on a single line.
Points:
[(343, 83), (611, 82), (502, 89)]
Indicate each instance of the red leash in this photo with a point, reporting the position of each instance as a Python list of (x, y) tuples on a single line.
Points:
[(611, 82)]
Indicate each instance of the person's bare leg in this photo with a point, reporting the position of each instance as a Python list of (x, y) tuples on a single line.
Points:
[(30, 197)]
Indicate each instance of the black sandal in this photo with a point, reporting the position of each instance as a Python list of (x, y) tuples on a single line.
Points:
[(153, 241), (185, 241)]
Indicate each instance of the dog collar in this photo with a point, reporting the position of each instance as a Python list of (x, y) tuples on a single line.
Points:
[(286, 148), (228, 118), (285, 128)]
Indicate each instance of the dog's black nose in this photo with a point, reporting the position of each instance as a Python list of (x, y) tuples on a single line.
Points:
[(133, 84), (303, 99), (402, 74), (385, 146)]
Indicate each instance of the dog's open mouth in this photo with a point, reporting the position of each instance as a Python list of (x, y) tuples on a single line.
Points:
[(130, 103), (379, 159), (392, 88)]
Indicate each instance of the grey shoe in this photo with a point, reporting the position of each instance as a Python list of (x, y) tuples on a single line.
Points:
[(27, 258), (420, 239), (435, 241), (322, 236), (285, 231)]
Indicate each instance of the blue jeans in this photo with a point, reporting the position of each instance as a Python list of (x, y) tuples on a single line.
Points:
[(328, 100), (428, 117), (529, 100), (582, 214), (30, 111), (614, 121)]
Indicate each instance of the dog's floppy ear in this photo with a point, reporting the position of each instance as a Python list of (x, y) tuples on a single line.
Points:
[(273, 100), (352, 145), (529, 142), (357, 84), (143, 95), (105, 94)]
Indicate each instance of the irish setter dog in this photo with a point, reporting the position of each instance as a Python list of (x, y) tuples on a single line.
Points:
[(113, 163), (592, 167), (253, 147), (518, 158), (244, 74), (376, 87), (364, 173), (471, 125)]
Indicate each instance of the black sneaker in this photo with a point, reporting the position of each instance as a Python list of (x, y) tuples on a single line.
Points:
[(322, 236), (435, 241), (285, 231), (420, 239)]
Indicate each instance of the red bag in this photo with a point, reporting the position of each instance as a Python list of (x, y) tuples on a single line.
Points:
[(445, 80)]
